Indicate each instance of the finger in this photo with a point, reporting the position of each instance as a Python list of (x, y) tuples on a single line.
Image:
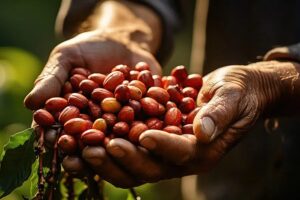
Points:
[(176, 148), (217, 114), (74, 166), (101, 163), (48, 84), (137, 161)]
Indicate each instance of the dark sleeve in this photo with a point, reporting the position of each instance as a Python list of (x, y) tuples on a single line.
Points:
[(291, 52), (170, 12)]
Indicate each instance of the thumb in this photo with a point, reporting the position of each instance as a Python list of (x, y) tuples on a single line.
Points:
[(217, 115)]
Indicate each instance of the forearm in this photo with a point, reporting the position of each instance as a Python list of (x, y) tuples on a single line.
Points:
[(124, 19)]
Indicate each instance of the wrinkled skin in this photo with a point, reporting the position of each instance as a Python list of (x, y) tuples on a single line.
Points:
[(232, 98)]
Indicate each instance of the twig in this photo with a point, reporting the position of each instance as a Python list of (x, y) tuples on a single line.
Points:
[(93, 190), (134, 194), (40, 152), (69, 183)]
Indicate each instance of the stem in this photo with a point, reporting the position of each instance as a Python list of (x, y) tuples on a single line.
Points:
[(93, 190), (54, 172), (69, 183), (134, 194), (40, 151)]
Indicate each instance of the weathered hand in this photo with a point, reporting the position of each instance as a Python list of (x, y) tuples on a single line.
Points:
[(95, 50)]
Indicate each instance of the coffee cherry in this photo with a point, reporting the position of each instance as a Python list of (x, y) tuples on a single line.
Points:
[(170, 104), (154, 123), (67, 88), (173, 117), (100, 93), (80, 70), (94, 110), (157, 81), (43, 118), (56, 104), (136, 105), (193, 80), (77, 126), (188, 129), (84, 116), (122, 93), (191, 116), (168, 80), (122, 68), (78, 100), (179, 73), (150, 106), (110, 105), (140, 66), (145, 76), (135, 93), (187, 105), (136, 131), (110, 119), (97, 78), (173, 129), (133, 74), (50, 137), (161, 109), (92, 137), (175, 93), (68, 113), (190, 92), (87, 86), (139, 85), (121, 129), (112, 80), (159, 94), (100, 124), (76, 80), (67, 144), (126, 114)]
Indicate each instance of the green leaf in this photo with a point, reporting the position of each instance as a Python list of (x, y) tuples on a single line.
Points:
[(34, 179), (16, 161)]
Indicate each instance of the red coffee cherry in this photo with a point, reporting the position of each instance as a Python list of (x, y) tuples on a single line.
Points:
[(110, 105), (68, 113), (112, 80), (140, 66), (56, 104), (43, 118), (67, 88), (190, 92), (187, 105), (157, 81), (77, 126), (100, 93), (191, 116), (110, 119), (122, 93), (193, 80), (187, 129), (97, 78), (139, 85), (136, 105), (94, 110), (170, 104), (168, 80), (78, 100), (67, 144), (150, 106), (136, 131), (75, 81), (133, 74), (154, 123), (159, 94), (126, 114), (100, 124), (92, 137), (145, 76), (121, 129), (84, 116), (87, 86), (179, 73), (173, 117), (122, 68), (175, 93)]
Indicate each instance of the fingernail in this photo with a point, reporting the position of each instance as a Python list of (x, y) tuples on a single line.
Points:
[(207, 126), (117, 152), (148, 143)]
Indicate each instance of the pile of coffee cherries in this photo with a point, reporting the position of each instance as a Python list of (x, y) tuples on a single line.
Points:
[(94, 107)]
